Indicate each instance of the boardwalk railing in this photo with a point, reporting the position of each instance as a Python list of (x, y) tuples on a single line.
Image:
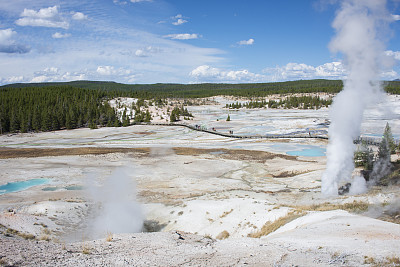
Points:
[(374, 141), (267, 136)]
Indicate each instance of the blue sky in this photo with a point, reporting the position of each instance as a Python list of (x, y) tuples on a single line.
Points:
[(174, 41)]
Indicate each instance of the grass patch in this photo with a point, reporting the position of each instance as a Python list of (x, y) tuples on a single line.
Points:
[(392, 261), (10, 232), (355, 207), (226, 213), (3, 262), (270, 227), (109, 237), (287, 174), (45, 237), (85, 249), (27, 236), (223, 235), (208, 236)]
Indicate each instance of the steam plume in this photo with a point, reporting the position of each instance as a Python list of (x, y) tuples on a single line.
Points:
[(118, 210), (358, 24)]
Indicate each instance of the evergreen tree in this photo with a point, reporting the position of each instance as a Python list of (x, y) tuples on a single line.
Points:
[(228, 118), (387, 134), (364, 157), (148, 116), (384, 149), (125, 119)]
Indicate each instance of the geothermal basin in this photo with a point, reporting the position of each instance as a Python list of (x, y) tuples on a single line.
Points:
[(185, 180)]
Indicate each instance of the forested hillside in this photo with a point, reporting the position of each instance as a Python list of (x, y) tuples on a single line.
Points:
[(53, 108), (162, 90), (166, 90)]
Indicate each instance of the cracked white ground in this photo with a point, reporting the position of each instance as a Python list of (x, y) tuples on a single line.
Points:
[(202, 184)]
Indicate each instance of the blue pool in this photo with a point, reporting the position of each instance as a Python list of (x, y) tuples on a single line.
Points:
[(20, 186), (308, 152), (300, 149)]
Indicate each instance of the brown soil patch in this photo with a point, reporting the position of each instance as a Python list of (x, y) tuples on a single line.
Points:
[(6, 153), (287, 174), (280, 140), (235, 154), (144, 133)]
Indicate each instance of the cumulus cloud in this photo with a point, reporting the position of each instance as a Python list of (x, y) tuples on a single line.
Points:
[(12, 79), (78, 16), (145, 52), (53, 74), (396, 17), (291, 71), (49, 74), (137, 1), (298, 71), (211, 74), (183, 36), (179, 20), (110, 70), (393, 54), (45, 17), (9, 45), (58, 35), (246, 42), (330, 70), (123, 2)]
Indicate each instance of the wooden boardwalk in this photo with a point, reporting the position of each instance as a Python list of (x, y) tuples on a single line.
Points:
[(267, 136), (374, 141)]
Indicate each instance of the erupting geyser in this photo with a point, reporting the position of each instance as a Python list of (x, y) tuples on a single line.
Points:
[(359, 25)]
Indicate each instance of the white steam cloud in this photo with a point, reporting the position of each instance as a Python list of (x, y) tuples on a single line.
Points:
[(118, 211), (358, 24)]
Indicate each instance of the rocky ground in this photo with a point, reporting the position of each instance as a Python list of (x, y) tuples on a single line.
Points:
[(212, 200), (334, 238)]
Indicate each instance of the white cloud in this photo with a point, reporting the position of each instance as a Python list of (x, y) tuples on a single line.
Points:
[(291, 71), (105, 70), (299, 71), (13, 79), (53, 74), (78, 16), (183, 36), (45, 17), (140, 53), (394, 54), (330, 70), (396, 17), (8, 44), (211, 74), (119, 2), (145, 52), (179, 22), (389, 75), (123, 2), (246, 42), (58, 35), (110, 70)]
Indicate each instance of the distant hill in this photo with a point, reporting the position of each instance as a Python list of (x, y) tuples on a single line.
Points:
[(164, 90), (198, 90)]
